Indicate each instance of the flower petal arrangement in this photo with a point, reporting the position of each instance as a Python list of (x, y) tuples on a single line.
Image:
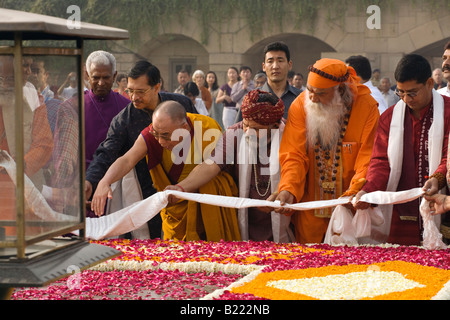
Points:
[(250, 270)]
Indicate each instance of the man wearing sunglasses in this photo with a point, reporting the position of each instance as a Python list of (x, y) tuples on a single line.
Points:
[(410, 150)]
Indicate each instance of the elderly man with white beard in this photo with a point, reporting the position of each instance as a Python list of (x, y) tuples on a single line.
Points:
[(327, 144)]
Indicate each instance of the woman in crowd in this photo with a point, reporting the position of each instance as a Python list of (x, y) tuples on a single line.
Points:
[(225, 91), (200, 80), (217, 108), (191, 91)]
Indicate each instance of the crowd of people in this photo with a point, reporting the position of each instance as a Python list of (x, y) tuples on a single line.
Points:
[(342, 131)]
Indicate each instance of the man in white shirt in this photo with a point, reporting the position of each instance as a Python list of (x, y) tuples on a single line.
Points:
[(389, 95), (66, 92), (363, 69), (446, 70), (438, 79)]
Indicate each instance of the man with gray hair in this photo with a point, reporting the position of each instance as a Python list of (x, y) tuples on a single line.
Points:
[(389, 95), (260, 79), (102, 104)]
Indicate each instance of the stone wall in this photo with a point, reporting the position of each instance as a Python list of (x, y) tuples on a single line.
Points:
[(404, 29)]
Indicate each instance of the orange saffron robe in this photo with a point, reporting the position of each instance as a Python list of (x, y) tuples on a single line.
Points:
[(299, 173), (188, 220)]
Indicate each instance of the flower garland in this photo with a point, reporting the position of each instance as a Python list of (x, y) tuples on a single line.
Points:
[(403, 281), (156, 269), (130, 285)]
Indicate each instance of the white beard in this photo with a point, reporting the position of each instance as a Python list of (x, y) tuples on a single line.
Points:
[(324, 121)]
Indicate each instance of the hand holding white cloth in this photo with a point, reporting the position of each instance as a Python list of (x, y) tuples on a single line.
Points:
[(134, 216), (363, 220)]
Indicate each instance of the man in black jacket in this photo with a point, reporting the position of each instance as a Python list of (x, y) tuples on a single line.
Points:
[(144, 83)]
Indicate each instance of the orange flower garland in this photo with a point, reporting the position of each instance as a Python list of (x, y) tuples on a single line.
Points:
[(433, 279)]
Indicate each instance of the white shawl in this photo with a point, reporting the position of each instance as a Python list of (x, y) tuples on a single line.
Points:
[(395, 151), (127, 191), (280, 223), (373, 225)]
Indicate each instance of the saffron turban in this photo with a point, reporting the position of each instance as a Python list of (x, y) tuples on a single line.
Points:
[(264, 113), (327, 73)]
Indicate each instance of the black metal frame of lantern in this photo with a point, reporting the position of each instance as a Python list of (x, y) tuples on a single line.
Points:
[(39, 260)]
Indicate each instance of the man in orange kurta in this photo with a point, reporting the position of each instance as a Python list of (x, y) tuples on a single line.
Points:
[(327, 144)]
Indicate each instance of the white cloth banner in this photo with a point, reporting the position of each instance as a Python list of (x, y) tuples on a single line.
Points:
[(342, 221), (134, 216)]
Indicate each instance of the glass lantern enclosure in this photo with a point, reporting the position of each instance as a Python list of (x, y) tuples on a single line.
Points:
[(42, 149)]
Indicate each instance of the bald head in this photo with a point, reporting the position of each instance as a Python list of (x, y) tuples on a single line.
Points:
[(171, 110), (169, 117)]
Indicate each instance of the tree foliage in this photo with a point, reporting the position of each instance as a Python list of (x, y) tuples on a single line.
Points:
[(151, 15)]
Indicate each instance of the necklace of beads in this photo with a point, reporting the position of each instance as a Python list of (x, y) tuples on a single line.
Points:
[(327, 170), (257, 184), (423, 147)]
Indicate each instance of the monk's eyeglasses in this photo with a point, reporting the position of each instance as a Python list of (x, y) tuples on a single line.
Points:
[(165, 135), (138, 92)]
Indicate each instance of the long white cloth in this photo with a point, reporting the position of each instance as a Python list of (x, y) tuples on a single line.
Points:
[(128, 219), (137, 214)]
